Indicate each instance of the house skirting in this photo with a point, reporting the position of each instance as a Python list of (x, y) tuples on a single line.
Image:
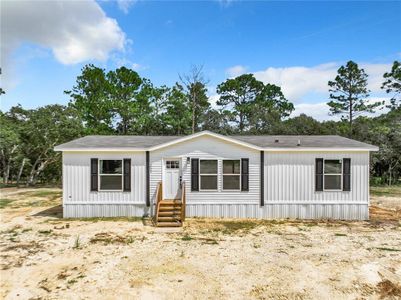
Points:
[(91, 210), (281, 211), (269, 211)]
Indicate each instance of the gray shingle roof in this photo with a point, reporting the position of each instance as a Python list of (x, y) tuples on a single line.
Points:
[(264, 141), (118, 141), (291, 141)]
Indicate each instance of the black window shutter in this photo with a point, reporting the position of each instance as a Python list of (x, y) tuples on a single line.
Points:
[(347, 174), (244, 174), (94, 173), (319, 174), (127, 174), (194, 174)]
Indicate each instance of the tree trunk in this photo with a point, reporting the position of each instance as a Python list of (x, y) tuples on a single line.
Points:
[(193, 113), (241, 122), (7, 172), (20, 171), (31, 177), (3, 160), (350, 118)]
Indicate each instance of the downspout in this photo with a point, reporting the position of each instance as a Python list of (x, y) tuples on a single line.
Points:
[(262, 178), (147, 180)]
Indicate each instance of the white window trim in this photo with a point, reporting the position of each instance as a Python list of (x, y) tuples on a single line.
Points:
[(122, 175), (229, 174), (205, 174), (336, 174)]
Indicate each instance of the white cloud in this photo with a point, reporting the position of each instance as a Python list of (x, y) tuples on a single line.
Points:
[(213, 100), (125, 5), (298, 81), (236, 71), (320, 111), (75, 31)]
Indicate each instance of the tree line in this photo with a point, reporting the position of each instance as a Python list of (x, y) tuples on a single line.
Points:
[(121, 102)]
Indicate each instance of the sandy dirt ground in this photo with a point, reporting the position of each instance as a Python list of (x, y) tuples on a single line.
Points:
[(46, 257)]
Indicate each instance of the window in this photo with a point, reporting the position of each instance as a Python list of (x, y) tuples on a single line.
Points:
[(111, 175), (231, 174), (208, 174), (172, 164), (332, 174)]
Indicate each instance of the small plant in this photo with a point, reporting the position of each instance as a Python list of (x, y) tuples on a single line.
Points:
[(71, 281), (77, 243), (129, 240), (45, 232), (186, 238), (388, 249), (340, 234)]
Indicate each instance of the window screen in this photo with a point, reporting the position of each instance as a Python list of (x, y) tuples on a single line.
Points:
[(208, 174), (231, 174), (332, 174), (111, 175)]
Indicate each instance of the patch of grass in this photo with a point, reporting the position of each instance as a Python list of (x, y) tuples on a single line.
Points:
[(109, 238), (44, 193), (5, 202), (340, 234), (45, 232), (187, 238), (26, 229), (229, 227), (72, 281), (387, 249), (389, 191)]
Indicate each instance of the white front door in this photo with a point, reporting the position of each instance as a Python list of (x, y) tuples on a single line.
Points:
[(171, 179)]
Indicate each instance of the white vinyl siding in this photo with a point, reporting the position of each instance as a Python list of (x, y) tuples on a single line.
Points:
[(290, 178), (207, 147), (76, 179)]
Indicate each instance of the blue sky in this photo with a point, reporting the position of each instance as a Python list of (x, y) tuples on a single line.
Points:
[(297, 45)]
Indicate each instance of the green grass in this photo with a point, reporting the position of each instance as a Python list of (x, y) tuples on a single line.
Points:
[(389, 191), (388, 249), (5, 202), (186, 238), (340, 234), (45, 232)]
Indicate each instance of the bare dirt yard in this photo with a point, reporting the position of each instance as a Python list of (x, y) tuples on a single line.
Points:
[(46, 257)]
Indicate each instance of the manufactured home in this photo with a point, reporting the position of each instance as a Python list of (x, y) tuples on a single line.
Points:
[(211, 175)]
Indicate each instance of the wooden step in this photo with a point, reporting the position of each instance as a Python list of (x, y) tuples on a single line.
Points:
[(169, 208), (168, 219), (169, 213), (169, 224), (170, 202)]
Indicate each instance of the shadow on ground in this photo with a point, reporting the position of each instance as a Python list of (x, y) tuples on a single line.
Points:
[(55, 212)]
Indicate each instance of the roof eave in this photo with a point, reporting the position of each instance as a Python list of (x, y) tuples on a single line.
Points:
[(337, 149), (209, 133), (121, 149)]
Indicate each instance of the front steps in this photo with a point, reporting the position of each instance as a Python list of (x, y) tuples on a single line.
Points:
[(169, 213)]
